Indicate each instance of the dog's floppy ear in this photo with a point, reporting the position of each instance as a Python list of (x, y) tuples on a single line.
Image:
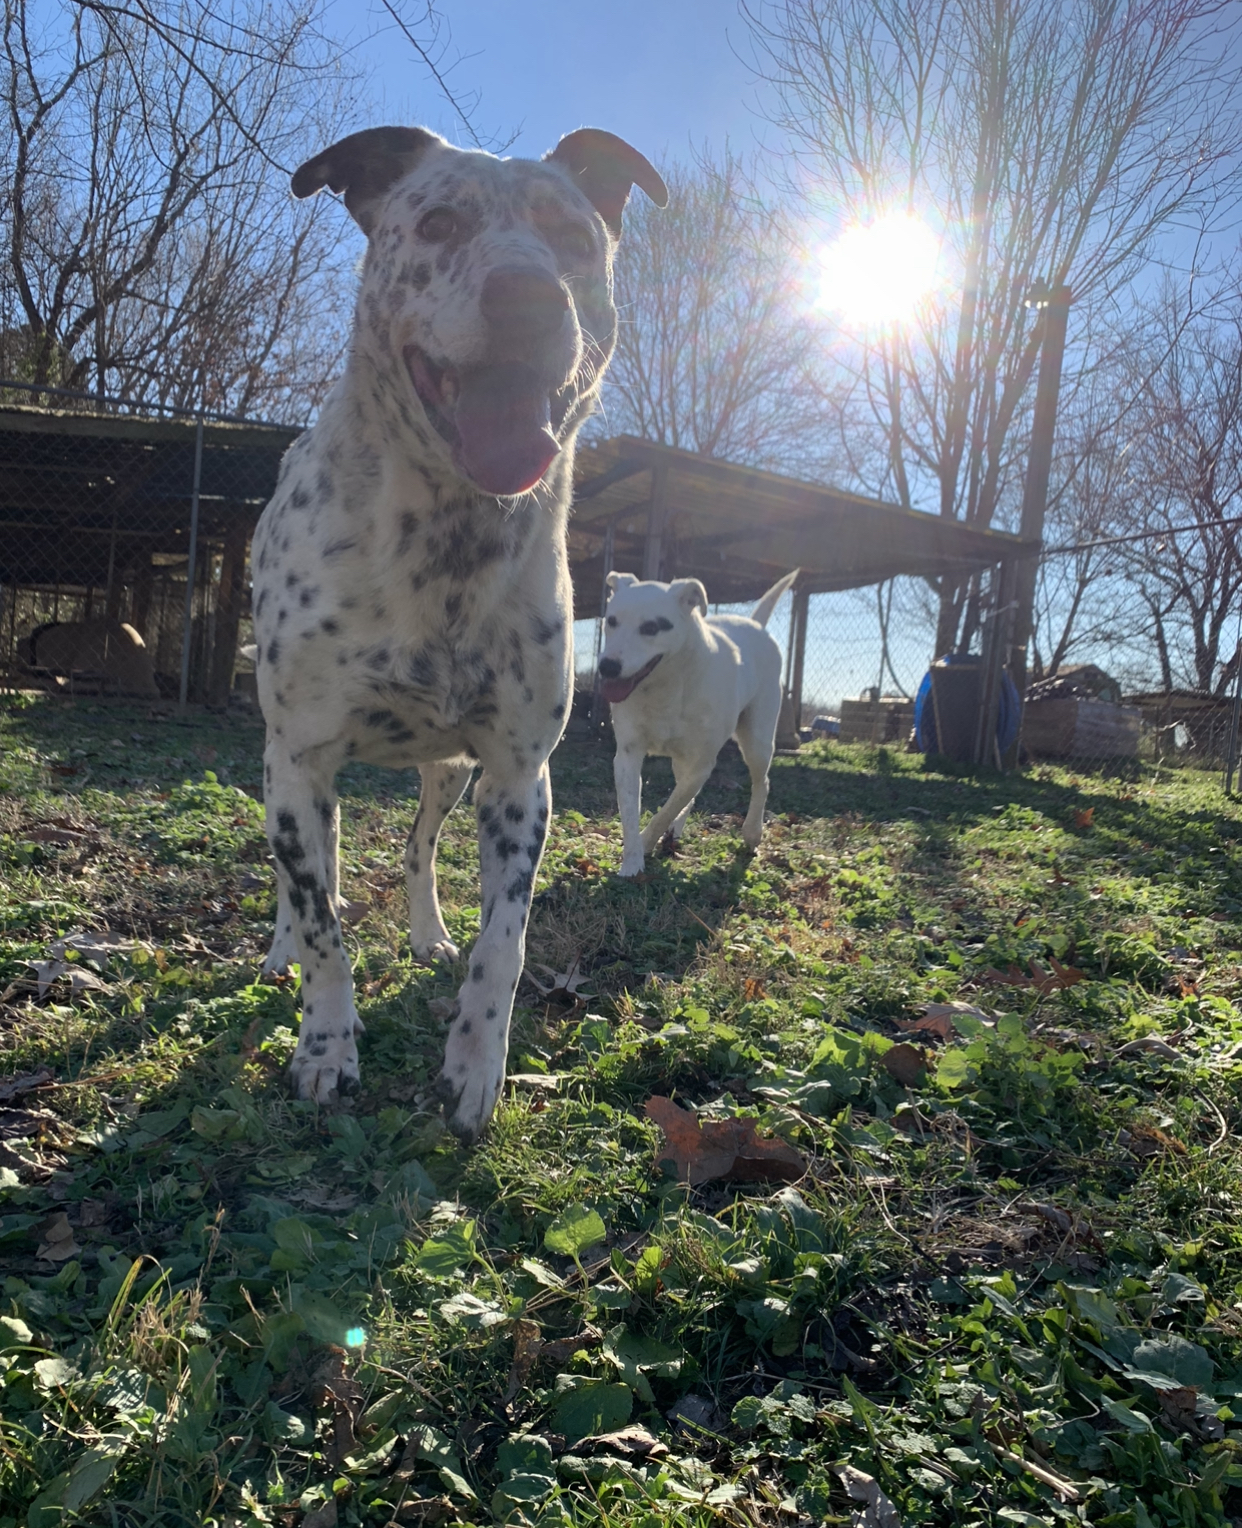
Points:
[(690, 593), (616, 581), (604, 167), (365, 166)]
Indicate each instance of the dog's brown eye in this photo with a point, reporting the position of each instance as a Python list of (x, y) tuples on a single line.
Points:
[(439, 224), (576, 241)]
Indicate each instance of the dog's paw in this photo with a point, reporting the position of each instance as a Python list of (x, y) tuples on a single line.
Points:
[(752, 837), (326, 1061), (281, 955), (441, 951), (325, 1078), (631, 867), (471, 1081)]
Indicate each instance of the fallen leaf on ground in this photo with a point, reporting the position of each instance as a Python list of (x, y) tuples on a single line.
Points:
[(904, 1063), (332, 1386), (527, 1342), (17, 1123), (753, 989), (561, 986), (1152, 1043), (629, 1442), (1148, 1141), (728, 1149), (58, 1244), (354, 912), (877, 1510), (1082, 818), (17, 1087), (1043, 981)]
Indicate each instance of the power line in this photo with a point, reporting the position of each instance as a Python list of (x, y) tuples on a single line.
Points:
[(1090, 546)]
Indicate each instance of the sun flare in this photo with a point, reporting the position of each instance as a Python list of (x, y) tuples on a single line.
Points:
[(879, 272)]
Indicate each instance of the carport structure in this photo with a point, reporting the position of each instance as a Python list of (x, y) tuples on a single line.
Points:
[(137, 519), (663, 513)]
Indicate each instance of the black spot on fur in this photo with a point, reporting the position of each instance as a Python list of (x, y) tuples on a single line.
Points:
[(332, 627), (273, 651), (515, 813), (543, 631), (335, 548), (477, 973), (558, 711)]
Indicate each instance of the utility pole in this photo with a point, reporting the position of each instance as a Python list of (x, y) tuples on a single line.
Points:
[(1054, 308)]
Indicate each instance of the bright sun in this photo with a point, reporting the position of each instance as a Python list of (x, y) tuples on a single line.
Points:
[(878, 272)]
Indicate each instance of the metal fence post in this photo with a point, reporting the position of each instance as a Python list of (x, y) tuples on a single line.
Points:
[(191, 569)]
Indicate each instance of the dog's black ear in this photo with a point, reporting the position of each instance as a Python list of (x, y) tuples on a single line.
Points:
[(604, 167), (365, 166), (691, 593), (616, 581)]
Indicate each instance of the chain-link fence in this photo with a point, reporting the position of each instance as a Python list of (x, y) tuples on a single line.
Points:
[(123, 545)]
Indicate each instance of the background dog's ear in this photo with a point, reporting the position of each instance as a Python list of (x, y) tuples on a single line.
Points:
[(691, 593), (365, 166), (616, 581), (604, 167)]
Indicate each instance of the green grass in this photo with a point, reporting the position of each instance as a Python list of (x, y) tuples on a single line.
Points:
[(1008, 1288)]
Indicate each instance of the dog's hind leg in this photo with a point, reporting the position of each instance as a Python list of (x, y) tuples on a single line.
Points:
[(756, 737), (442, 788), (690, 777), (513, 822), (302, 828)]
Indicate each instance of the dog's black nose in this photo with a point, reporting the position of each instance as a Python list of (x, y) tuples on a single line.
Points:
[(610, 668), (524, 304)]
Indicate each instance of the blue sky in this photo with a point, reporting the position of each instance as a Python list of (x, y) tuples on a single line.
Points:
[(661, 73)]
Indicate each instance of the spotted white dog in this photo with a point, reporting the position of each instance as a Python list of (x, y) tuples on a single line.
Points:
[(412, 602), (682, 683)]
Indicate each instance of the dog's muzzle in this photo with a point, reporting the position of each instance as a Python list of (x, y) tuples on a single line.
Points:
[(499, 417), (614, 688)]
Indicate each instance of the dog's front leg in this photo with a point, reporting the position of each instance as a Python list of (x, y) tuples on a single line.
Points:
[(690, 778), (513, 823), (627, 772), (441, 790), (302, 827)]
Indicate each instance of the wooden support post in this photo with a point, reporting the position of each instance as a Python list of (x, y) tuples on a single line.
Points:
[(229, 611), (657, 524), (798, 621)]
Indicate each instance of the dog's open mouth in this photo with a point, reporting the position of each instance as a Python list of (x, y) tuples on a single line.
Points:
[(614, 690), (497, 419)]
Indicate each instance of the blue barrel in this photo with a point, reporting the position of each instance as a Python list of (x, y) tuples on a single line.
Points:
[(925, 712)]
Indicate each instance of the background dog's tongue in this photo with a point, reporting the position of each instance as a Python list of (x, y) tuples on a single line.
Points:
[(505, 433), (614, 690)]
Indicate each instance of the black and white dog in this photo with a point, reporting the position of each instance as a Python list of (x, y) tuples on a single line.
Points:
[(412, 602)]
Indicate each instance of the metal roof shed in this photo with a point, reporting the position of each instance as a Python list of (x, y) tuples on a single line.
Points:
[(664, 513)]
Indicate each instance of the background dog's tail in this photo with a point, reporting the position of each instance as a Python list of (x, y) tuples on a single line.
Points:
[(767, 604)]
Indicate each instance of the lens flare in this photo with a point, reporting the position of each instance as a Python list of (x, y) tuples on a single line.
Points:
[(355, 1337), (879, 272)]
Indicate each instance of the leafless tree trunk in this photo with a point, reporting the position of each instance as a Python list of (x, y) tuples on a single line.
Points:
[(1044, 141)]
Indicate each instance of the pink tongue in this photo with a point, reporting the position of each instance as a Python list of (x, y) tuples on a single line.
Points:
[(614, 690), (505, 435)]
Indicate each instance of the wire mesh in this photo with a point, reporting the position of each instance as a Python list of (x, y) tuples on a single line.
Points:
[(124, 541)]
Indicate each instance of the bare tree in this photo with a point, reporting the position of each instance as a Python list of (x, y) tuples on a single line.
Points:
[(1047, 141), (1187, 488), (150, 244), (716, 353)]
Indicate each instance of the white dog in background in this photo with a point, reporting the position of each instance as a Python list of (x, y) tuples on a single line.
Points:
[(681, 683)]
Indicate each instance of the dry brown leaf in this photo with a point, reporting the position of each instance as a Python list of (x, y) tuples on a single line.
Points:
[(17, 1087), (354, 912), (59, 1243), (1149, 1141), (1082, 818), (732, 1149), (527, 1343), (1043, 981), (877, 1510), (904, 1063), (331, 1385), (753, 989), (629, 1442)]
